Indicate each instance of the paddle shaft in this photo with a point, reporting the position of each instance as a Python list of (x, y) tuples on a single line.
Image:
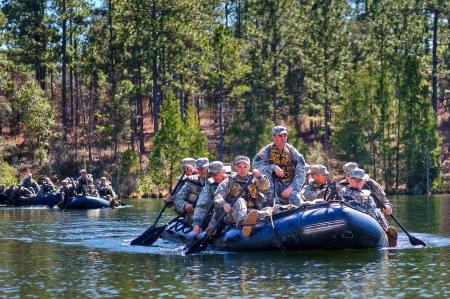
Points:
[(166, 204), (413, 240)]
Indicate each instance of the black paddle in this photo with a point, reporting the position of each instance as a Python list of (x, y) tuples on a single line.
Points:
[(414, 241), (151, 234), (201, 244)]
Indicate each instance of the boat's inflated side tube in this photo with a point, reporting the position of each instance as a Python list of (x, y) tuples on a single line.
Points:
[(325, 226), (87, 202), (48, 199), (331, 226)]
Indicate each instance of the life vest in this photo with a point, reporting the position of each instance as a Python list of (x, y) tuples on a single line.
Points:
[(283, 159), (251, 194)]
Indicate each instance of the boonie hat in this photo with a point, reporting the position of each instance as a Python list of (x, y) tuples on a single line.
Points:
[(202, 162), (359, 174), (279, 130), (319, 169), (244, 159), (216, 167), (188, 161), (348, 167)]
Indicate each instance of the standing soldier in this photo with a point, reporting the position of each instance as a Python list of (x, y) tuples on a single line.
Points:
[(188, 166), (251, 199), (186, 199), (206, 197), (286, 166), (316, 188), (83, 181)]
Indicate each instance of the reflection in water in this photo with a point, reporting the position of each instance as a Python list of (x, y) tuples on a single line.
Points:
[(56, 253)]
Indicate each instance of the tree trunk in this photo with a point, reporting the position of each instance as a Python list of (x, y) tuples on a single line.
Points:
[(434, 62), (221, 127), (112, 74), (63, 75), (155, 74)]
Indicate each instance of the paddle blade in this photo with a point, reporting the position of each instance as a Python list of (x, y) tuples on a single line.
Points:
[(416, 242), (197, 246), (149, 237)]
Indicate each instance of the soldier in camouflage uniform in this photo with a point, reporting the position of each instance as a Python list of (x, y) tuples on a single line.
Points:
[(188, 166), (370, 185), (186, 198), (316, 188), (285, 165), (252, 199), (206, 197), (30, 184), (356, 195)]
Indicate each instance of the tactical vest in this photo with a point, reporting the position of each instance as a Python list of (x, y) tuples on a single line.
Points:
[(251, 194), (196, 187), (283, 159)]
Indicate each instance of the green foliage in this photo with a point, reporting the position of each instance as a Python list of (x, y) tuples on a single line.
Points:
[(316, 155), (7, 174), (36, 116), (169, 144), (195, 138), (127, 171)]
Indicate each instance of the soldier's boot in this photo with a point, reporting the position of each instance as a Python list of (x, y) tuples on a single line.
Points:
[(392, 236), (252, 219)]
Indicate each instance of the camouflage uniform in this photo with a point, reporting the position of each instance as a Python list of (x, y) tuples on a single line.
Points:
[(252, 198), (376, 188), (313, 191), (364, 200), (188, 194), (204, 202), (293, 165)]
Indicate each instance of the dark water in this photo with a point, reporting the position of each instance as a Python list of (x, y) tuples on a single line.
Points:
[(51, 253)]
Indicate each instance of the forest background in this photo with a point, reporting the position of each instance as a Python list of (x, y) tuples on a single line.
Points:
[(127, 88)]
